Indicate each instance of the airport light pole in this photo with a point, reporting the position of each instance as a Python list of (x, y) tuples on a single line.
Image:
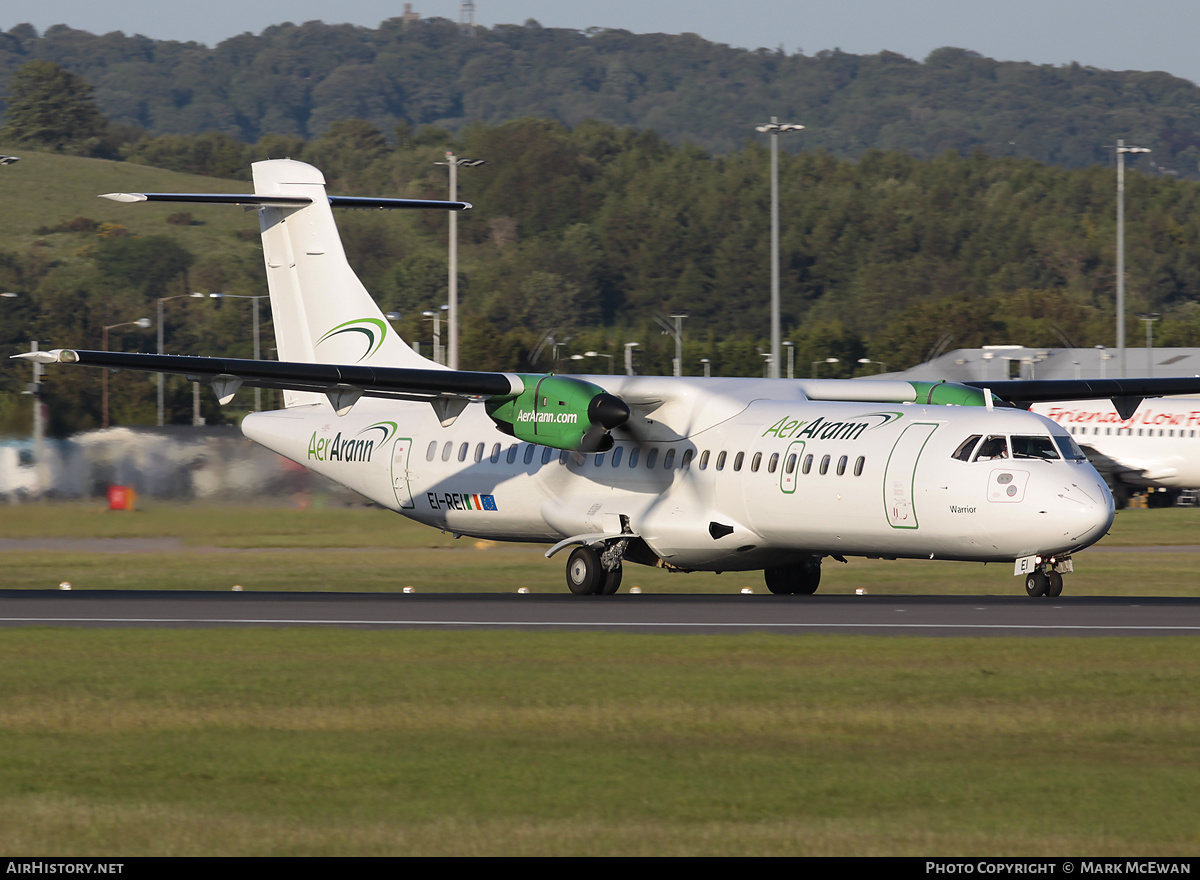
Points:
[(1121, 151), (883, 367), (454, 163), (257, 348), (1148, 318), (159, 349), (791, 347), (140, 322), (436, 316), (707, 367), (816, 365), (773, 128), (629, 347)]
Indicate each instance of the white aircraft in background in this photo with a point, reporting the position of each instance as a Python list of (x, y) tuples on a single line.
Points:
[(1156, 447), (687, 474)]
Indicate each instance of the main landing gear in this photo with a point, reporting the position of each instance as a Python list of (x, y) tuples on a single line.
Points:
[(593, 572), (800, 579)]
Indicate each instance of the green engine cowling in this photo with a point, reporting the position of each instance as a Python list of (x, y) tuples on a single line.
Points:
[(561, 412), (948, 393)]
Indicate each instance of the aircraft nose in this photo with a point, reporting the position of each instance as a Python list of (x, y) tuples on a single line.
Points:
[(1084, 512)]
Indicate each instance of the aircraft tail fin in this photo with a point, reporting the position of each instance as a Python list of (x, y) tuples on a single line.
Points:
[(321, 311)]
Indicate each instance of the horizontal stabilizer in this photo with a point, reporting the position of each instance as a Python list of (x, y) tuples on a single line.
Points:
[(256, 200)]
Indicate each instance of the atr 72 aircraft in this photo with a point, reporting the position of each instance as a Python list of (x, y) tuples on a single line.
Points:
[(687, 474)]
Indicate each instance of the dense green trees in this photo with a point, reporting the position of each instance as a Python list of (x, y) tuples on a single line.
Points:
[(581, 237), (299, 80), (51, 108)]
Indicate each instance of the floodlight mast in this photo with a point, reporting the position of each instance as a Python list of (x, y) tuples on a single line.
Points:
[(773, 128)]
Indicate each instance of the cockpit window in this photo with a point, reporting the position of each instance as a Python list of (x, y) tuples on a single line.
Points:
[(1033, 446), (1069, 448), (992, 448), (963, 453)]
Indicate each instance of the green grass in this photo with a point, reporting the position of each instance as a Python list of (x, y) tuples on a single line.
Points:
[(368, 549), (320, 742), (46, 189)]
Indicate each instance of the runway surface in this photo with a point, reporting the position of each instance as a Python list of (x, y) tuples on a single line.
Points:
[(709, 614)]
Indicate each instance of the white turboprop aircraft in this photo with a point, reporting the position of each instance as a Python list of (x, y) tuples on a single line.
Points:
[(688, 474), (1156, 447)]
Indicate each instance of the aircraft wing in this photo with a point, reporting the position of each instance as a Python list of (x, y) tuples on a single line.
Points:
[(559, 411), (1126, 394)]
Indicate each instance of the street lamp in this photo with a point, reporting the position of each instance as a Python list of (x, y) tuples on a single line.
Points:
[(436, 317), (816, 365), (162, 300), (454, 163), (1121, 151), (1149, 318), (883, 366), (774, 127), (254, 310), (677, 332), (791, 347), (594, 354), (629, 347), (140, 322)]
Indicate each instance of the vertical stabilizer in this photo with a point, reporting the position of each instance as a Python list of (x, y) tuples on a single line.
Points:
[(322, 312)]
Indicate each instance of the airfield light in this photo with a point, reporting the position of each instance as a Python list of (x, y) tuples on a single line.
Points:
[(1121, 150), (143, 323), (773, 128), (454, 163), (160, 342)]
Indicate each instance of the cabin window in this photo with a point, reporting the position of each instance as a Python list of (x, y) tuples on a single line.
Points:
[(808, 459), (634, 455), (616, 456), (1033, 446), (841, 467), (721, 460), (773, 463), (447, 450), (431, 452), (963, 453), (790, 467), (652, 457), (991, 449), (462, 451), (687, 458), (755, 462), (563, 455), (512, 453), (547, 454), (858, 466), (737, 461), (598, 460), (824, 465), (495, 456), (704, 460), (529, 449), (479, 452), (669, 459)]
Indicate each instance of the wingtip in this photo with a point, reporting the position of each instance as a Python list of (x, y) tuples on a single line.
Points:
[(123, 197)]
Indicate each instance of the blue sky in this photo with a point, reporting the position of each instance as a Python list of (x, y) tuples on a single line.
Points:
[(1112, 34)]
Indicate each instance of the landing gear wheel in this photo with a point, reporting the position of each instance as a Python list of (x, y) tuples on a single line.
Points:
[(611, 582), (1037, 584), (801, 579), (1055, 584), (585, 574)]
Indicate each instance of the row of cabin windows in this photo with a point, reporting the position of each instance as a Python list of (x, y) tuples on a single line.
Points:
[(616, 456), (1141, 432)]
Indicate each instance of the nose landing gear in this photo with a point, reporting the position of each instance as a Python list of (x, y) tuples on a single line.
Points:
[(1044, 583)]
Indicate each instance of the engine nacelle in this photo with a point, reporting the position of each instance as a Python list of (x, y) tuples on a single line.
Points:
[(561, 412)]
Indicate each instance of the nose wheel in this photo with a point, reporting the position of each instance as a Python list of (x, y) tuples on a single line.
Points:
[(1044, 583)]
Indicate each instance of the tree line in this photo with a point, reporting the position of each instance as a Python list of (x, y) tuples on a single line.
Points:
[(297, 80), (582, 236)]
